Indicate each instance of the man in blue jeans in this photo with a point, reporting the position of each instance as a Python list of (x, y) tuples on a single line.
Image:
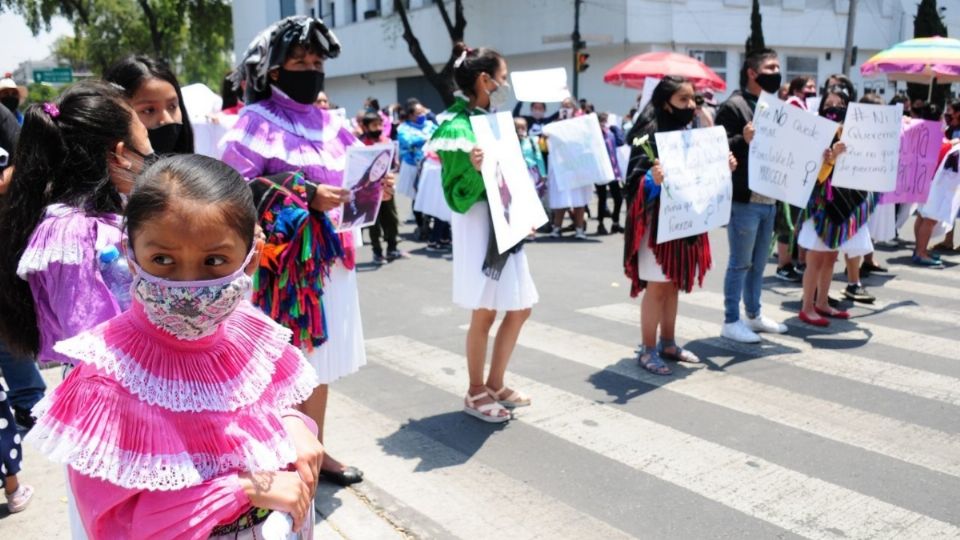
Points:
[(752, 216), (25, 384)]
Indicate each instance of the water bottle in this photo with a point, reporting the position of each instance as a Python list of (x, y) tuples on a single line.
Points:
[(116, 274)]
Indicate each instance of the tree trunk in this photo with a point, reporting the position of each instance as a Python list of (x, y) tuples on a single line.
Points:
[(442, 81)]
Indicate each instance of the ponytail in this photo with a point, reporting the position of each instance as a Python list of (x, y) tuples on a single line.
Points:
[(469, 63)]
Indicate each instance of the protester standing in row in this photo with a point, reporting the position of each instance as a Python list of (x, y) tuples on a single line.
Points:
[(484, 280), (412, 134), (752, 215), (281, 131), (612, 138), (387, 224)]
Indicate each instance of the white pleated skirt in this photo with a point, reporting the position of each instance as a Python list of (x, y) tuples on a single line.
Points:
[(343, 353), (883, 223), (857, 245), (430, 199), (472, 289), (648, 269), (558, 199), (407, 181)]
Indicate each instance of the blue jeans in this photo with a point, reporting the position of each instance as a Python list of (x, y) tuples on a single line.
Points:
[(749, 234), (23, 378)]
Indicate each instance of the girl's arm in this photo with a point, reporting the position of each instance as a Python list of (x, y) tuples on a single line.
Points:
[(110, 512), (462, 184)]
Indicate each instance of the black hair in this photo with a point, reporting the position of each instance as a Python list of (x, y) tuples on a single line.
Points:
[(753, 61), (845, 82), (838, 90), (654, 115), (370, 117), (410, 108), (955, 105), (900, 99), (541, 103), (133, 71), (871, 98), (61, 157), (228, 93), (195, 178), (930, 111), (374, 103), (797, 84), (475, 62)]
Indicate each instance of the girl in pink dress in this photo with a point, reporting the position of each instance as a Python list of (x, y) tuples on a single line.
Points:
[(178, 420)]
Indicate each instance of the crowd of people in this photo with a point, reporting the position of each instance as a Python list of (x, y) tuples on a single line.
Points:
[(201, 307)]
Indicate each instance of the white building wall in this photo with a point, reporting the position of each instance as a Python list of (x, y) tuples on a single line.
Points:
[(374, 53)]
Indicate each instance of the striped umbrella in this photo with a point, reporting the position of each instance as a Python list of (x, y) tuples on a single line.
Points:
[(919, 60)]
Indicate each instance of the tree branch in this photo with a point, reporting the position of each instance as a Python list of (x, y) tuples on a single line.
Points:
[(156, 36), (413, 44), (446, 17)]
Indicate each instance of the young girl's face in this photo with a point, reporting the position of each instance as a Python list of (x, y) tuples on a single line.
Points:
[(191, 242), (157, 104)]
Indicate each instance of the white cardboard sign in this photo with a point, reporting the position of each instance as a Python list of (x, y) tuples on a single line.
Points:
[(787, 150), (871, 134), (697, 192), (577, 148), (515, 208), (544, 85)]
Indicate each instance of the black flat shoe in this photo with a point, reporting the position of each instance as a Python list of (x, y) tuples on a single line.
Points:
[(349, 476)]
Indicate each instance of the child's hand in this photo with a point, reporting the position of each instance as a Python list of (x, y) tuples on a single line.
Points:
[(657, 172), (389, 183), (476, 157), (309, 451), (748, 132), (329, 197), (280, 491), (732, 161)]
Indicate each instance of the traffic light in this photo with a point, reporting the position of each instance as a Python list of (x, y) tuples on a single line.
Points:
[(582, 64)]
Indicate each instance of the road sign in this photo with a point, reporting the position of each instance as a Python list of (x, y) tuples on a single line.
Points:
[(60, 75)]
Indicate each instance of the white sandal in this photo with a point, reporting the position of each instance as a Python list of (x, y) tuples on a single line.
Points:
[(19, 499), (512, 401), (493, 413)]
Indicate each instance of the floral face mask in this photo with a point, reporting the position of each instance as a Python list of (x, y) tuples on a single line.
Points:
[(190, 310)]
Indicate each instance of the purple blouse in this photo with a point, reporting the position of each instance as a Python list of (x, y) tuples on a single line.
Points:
[(60, 264)]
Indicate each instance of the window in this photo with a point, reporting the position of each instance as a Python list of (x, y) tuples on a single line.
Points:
[(351, 15), (288, 8), (330, 17), (715, 60), (800, 66), (372, 10)]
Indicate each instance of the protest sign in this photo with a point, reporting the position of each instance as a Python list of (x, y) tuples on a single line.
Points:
[(623, 159), (871, 134), (697, 192), (787, 150), (577, 147), (546, 85), (649, 83), (367, 166), (919, 150), (515, 207), (813, 104)]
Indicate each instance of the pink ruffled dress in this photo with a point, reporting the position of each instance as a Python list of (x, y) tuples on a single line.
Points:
[(155, 429)]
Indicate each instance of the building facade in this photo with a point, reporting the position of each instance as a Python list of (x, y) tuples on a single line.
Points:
[(808, 34)]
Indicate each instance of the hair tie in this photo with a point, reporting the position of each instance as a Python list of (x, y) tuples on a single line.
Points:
[(51, 109), (459, 61)]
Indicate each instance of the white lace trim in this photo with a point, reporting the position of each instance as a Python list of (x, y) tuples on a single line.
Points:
[(449, 145), (38, 259), (181, 395), (95, 458), (327, 133)]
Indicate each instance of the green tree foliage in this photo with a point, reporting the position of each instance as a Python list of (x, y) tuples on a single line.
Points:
[(40, 92), (194, 36), (755, 41), (928, 23)]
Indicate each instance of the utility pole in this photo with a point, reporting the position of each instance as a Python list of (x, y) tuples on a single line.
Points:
[(577, 46), (848, 46)]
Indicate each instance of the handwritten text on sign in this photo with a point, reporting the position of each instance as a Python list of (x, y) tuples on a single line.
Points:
[(578, 149), (872, 136), (696, 193), (787, 151), (919, 150)]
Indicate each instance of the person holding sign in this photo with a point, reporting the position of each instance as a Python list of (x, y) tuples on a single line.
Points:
[(660, 270), (484, 280), (835, 219), (752, 216)]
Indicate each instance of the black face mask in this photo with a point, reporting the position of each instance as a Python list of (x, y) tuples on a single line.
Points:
[(301, 86), (374, 134), (769, 82), (809, 95), (837, 114), (11, 102), (681, 117), (164, 138)]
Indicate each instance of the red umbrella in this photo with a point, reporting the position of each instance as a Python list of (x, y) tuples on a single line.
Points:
[(632, 71)]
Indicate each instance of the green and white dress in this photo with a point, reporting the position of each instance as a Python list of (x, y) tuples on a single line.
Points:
[(465, 194)]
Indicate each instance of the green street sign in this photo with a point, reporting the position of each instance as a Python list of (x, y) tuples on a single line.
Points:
[(60, 75)]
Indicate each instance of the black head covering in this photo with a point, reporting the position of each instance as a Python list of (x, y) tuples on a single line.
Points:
[(270, 48)]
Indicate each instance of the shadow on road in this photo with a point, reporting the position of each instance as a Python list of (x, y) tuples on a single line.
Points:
[(453, 429)]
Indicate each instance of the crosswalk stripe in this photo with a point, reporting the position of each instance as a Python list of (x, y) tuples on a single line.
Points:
[(456, 496), (786, 498), (884, 335), (923, 275), (918, 445), (883, 305), (926, 288), (801, 354)]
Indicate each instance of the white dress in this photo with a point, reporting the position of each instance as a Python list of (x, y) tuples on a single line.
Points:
[(558, 199), (472, 289), (647, 267), (857, 245), (430, 199), (343, 353), (407, 182)]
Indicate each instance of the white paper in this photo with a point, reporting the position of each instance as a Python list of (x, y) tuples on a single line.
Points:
[(813, 104), (623, 159), (697, 192), (367, 166), (514, 206), (579, 151), (872, 136), (787, 150), (944, 200), (649, 84), (546, 85)]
